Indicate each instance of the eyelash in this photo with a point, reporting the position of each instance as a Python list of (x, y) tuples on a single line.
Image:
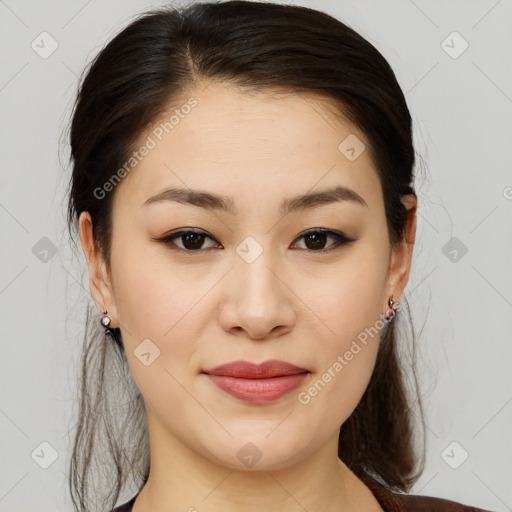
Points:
[(340, 238)]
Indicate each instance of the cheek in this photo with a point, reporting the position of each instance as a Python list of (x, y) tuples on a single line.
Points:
[(157, 302), (153, 298), (350, 310), (160, 332), (347, 300)]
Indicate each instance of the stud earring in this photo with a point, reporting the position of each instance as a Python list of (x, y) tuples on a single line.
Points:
[(105, 322), (392, 311), (113, 332)]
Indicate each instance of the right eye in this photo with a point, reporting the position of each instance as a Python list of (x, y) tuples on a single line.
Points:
[(191, 240)]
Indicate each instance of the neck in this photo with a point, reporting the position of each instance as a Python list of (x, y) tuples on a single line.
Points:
[(182, 479)]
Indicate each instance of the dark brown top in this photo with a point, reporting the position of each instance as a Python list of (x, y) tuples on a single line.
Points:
[(389, 501)]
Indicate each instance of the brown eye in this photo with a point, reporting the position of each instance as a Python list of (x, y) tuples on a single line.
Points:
[(192, 241), (316, 239)]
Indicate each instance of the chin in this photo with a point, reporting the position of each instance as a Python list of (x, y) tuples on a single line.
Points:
[(259, 453)]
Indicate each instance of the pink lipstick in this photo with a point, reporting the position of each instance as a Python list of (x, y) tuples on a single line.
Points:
[(257, 384)]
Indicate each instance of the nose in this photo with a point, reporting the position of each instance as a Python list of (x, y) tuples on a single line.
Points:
[(257, 300)]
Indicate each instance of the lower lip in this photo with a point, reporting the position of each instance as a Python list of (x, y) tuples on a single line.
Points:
[(258, 390)]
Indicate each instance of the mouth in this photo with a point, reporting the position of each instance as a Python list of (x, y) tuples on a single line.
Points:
[(257, 384)]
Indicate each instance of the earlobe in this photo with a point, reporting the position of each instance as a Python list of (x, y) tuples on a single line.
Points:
[(99, 283)]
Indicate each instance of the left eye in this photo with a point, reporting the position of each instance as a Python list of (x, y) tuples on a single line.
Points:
[(318, 237), (315, 239)]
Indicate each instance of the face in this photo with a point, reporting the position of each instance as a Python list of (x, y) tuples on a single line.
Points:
[(267, 278)]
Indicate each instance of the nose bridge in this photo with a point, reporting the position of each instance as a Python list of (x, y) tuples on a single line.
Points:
[(253, 266), (258, 302)]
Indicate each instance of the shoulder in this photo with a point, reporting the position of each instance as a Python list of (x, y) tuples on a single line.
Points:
[(126, 507), (411, 503), (395, 502)]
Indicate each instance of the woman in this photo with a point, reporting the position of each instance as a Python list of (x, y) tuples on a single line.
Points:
[(243, 190)]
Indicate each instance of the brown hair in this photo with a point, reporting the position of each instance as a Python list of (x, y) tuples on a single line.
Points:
[(129, 84)]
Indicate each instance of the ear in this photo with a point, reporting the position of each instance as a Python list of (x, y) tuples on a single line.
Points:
[(99, 280), (401, 253)]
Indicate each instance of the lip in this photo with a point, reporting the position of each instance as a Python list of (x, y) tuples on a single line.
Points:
[(255, 383), (248, 370)]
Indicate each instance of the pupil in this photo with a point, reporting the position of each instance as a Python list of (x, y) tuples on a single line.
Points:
[(189, 237), (318, 240)]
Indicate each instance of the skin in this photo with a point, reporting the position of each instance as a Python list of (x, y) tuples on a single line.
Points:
[(212, 307)]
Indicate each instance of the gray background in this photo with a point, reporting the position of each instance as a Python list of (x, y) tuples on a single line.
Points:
[(462, 108)]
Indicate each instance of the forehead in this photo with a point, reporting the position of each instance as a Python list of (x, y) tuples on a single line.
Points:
[(243, 143)]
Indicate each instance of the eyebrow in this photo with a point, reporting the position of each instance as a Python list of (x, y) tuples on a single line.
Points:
[(212, 201)]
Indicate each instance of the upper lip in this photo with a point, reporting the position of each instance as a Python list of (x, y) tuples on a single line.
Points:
[(248, 370)]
